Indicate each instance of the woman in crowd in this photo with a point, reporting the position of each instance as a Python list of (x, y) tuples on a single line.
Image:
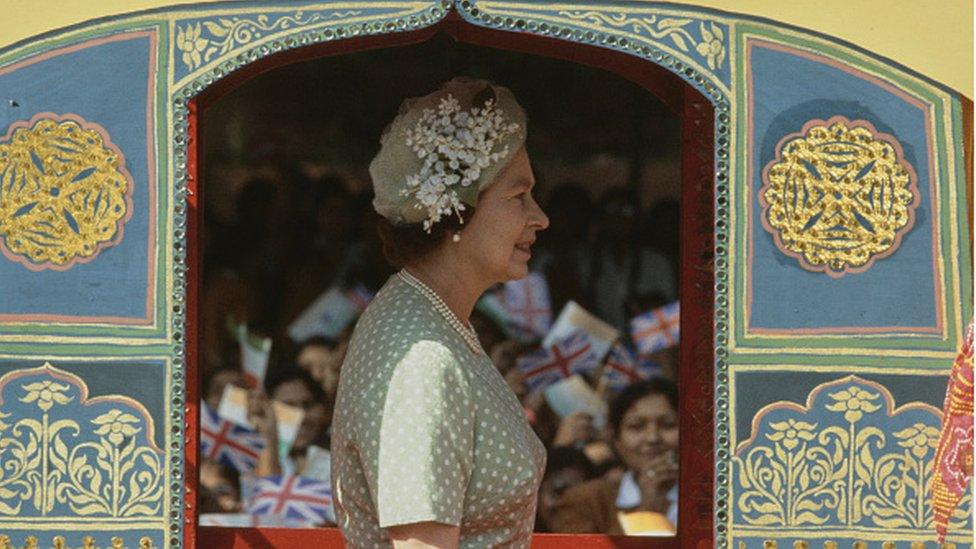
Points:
[(429, 445), (643, 420)]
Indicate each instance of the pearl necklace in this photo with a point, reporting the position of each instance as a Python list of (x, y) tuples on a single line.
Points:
[(467, 332)]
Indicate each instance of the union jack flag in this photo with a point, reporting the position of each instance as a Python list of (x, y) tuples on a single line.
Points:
[(223, 441), (293, 497), (526, 302), (545, 366), (657, 329), (623, 368)]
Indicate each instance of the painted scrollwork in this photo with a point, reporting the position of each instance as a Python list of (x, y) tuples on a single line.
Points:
[(709, 44), (846, 459), (63, 454), (197, 42)]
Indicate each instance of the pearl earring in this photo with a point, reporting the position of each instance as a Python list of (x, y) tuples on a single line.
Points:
[(457, 236)]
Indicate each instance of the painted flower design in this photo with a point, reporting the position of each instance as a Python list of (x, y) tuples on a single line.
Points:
[(45, 394), (116, 425), (854, 402), (791, 432), (711, 47), (189, 42), (919, 438)]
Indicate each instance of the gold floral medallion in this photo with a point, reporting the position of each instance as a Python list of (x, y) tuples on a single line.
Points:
[(64, 192), (838, 196)]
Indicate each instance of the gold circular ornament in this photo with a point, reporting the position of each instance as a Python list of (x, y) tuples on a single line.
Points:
[(65, 193), (838, 196)]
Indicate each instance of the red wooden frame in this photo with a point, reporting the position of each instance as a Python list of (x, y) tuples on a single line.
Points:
[(695, 527)]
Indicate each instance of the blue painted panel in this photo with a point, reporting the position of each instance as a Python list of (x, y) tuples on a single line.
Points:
[(790, 90), (106, 84)]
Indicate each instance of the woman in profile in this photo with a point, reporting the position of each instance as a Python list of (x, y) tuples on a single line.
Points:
[(429, 445)]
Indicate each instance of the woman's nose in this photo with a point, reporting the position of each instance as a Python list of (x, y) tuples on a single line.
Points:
[(539, 217)]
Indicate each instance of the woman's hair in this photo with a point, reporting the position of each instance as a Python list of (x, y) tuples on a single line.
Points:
[(622, 403), (403, 244)]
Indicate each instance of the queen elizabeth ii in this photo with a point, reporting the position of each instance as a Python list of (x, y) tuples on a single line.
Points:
[(430, 447)]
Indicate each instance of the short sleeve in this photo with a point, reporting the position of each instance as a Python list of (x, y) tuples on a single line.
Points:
[(425, 454)]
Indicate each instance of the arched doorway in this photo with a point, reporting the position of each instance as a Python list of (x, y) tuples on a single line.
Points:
[(697, 236)]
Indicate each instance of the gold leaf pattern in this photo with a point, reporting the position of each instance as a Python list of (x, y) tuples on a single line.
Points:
[(64, 191), (838, 195)]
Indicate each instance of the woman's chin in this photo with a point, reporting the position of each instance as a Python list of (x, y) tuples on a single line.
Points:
[(517, 271)]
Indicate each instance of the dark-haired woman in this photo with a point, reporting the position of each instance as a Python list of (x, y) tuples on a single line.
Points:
[(429, 445), (643, 420)]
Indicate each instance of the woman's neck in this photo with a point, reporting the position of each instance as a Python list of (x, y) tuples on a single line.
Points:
[(452, 279)]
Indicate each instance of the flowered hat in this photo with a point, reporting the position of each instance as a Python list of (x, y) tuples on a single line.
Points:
[(443, 149)]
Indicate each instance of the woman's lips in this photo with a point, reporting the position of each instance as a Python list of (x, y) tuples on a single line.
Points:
[(524, 248)]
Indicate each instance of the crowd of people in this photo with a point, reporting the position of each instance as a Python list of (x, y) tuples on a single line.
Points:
[(294, 238)]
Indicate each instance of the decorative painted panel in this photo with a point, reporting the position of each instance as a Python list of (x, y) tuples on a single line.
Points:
[(910, 293), (842, 269), (73, 457), (81, 204), (847, 462)]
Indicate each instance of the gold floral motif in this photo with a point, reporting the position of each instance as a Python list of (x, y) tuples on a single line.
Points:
[(46, 393), (844, 468), (189, 42), (117, 425), (853, 402), (791, 432), (711, 47), (227, 33), (838, 196), (104, 470), (64, 191)]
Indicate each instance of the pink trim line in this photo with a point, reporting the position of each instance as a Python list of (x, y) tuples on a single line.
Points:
[(152, 181), (936, 273), (890, 409)]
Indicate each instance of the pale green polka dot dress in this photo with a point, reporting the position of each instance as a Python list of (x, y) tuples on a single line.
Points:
[(427, 430)]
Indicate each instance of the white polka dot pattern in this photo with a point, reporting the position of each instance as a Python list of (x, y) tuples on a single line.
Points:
[(426, 430)]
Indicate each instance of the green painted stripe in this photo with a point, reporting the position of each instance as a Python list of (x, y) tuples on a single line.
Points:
[(164, 351), (911, 363)]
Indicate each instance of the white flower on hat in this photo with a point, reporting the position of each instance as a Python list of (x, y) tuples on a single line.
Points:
[(454, 146)]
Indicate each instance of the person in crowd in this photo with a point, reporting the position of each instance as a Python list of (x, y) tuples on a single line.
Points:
[(293, 387), (219, 488), (643, 421), (566, 467), (421, 411), (215, 382), (322, 358), (615, 272)]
